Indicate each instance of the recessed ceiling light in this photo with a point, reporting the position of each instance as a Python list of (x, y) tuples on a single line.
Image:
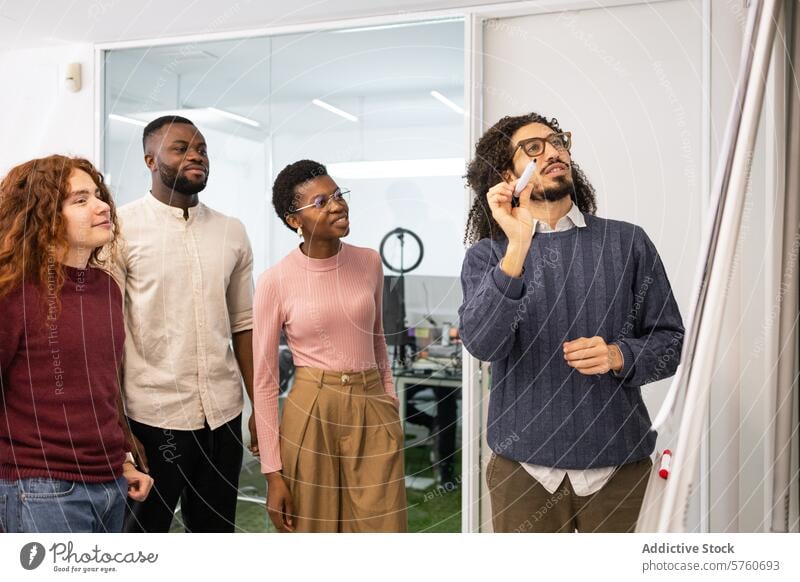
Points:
[(235, 117), (336, 110), (442, 99), (128, 120)]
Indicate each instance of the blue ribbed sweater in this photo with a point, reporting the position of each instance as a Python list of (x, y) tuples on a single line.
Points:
[(605, 279)]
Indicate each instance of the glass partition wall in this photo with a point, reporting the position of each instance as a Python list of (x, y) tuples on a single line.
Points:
[(382, 107)]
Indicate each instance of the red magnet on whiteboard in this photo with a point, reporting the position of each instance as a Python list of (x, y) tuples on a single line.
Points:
[(666, 457)]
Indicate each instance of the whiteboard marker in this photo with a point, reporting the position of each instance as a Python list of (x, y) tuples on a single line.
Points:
[(524, 178), (666, 457)]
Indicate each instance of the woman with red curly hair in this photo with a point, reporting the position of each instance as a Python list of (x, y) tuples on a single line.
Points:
[(63, 465)]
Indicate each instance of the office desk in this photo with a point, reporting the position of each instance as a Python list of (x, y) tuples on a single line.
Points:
[(446, 387)]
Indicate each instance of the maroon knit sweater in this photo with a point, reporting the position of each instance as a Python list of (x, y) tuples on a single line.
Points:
[(59, 380)]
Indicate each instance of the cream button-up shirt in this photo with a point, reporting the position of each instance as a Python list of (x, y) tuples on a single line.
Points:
[(187, 287)]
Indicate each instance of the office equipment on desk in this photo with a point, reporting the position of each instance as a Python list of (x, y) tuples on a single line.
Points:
[(442, 335), (452, 351)]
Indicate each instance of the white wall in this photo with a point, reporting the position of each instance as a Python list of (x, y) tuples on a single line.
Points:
[(38, 116)]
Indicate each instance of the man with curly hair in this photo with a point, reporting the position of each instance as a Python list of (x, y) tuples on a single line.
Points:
[(575, 314)]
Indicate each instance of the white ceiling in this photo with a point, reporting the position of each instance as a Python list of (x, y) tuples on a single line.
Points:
[(25, 23)]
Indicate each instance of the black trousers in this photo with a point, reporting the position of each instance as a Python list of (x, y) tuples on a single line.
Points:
[(199, 467)]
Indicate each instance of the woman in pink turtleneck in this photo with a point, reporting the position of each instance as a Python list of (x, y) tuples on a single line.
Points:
[(335, 462)]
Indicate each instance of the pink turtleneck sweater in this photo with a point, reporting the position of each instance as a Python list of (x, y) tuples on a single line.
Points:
[(331, 313)]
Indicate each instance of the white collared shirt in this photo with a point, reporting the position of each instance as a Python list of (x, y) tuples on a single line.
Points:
[(188, 287), (571, 219), (584, 481)]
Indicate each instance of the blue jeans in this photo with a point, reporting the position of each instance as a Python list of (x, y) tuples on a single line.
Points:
[(54, 506)]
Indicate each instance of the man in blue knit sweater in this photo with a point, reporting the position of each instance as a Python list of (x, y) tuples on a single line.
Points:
[(575, 314)]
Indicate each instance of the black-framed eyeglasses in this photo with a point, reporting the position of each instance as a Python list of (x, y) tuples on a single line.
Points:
[(534, 146), (322, 200)]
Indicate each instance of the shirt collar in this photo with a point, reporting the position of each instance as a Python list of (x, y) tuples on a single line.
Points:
[(570, 220), (154, 202)]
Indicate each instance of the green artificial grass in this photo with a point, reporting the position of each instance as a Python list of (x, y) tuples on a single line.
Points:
[(436, 509)]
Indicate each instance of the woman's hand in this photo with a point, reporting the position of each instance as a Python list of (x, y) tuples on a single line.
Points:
[(139, 484), (280, 507), (138, 453), (251, 426)]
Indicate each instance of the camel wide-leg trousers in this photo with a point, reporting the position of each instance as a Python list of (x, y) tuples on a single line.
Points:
[(342, 452)]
